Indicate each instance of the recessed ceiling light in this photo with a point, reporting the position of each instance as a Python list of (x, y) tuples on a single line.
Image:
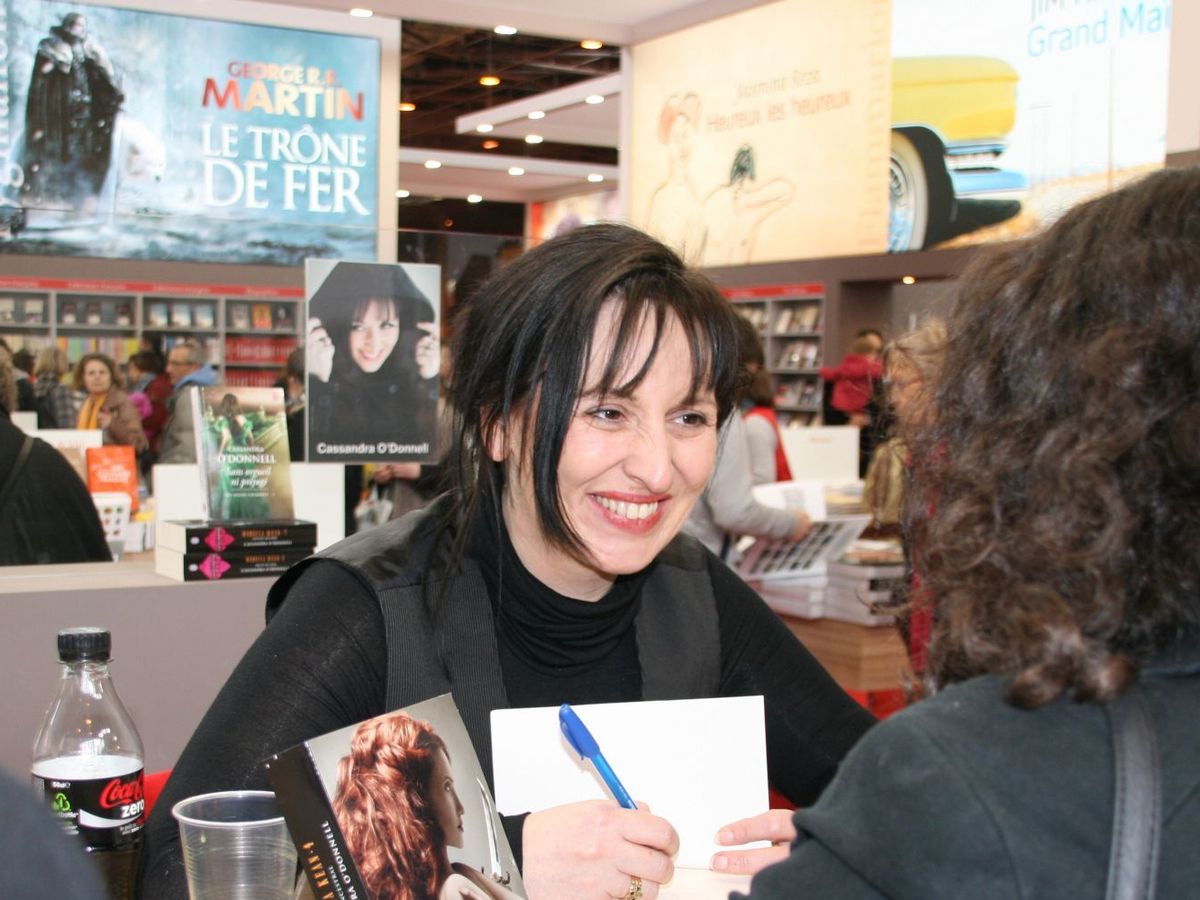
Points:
[(909, 279), (361, 13), (401, 194), (516, 170), (474, 198), (595, 178), (432, 164), (406, 106), (533, 138), (490, 145), (591, 44), (489, 80), (505, 29), (593, 99), (483, 127), (537, 114)]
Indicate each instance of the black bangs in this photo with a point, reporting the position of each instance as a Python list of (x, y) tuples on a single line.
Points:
[(650, 302), (523, 343)]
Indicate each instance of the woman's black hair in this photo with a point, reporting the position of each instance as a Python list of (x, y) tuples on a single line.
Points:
[(522, 347), (743, 164)]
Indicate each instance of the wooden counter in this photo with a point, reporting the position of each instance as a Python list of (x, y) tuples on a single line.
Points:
[(174, 644), (859, 657)]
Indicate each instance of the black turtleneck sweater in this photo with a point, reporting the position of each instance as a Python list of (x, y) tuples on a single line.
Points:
[(322, 664), (555, 649)]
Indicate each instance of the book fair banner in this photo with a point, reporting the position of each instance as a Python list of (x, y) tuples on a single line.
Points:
[(763, 135), (796, 129), (131, 134)]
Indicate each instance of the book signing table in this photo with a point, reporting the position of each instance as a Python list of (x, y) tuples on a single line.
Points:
[(175, 643)]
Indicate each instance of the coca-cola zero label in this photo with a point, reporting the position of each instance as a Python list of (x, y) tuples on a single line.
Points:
[(107, 812)]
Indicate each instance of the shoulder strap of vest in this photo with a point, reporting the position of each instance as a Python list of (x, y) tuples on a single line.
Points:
[(678, 633)]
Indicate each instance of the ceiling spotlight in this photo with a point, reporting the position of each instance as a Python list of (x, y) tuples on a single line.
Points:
[(909, 279), (533, 138), (516, 170), (483, 127), (406, 106), (489, 80), (401, 194), (474, 198), (537, 114), (361, 13), (490, 145), (593, 99), (591, 44), (595, 178), (432, 164), (505, 29)]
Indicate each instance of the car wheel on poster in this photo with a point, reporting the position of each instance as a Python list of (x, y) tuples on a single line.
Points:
[(908, 196)]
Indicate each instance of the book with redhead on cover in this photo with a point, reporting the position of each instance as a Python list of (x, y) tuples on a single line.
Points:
[(395, 808)]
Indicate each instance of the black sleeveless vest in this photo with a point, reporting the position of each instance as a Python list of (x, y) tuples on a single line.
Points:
[(435, 647)]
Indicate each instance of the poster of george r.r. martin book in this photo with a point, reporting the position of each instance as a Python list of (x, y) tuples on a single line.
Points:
[(140, 135), (399, 799)]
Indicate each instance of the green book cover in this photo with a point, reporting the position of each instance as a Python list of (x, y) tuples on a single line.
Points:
[(242, 451)]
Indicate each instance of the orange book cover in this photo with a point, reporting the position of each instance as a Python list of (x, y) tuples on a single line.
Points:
[(260, 316), (113, 468)]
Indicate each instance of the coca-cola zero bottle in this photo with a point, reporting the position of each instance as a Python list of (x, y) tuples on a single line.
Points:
[(88, 761)]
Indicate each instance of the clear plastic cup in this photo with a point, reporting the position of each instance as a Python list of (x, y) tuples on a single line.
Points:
[(236, 846)]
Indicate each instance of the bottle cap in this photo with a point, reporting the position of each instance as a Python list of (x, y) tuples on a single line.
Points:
[(76, 644)]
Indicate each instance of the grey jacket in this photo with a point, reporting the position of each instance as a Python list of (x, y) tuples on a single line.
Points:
[(964, 796), (179, 433), (727, 505)]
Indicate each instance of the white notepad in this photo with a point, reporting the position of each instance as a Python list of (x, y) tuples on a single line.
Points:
[(699, 764)]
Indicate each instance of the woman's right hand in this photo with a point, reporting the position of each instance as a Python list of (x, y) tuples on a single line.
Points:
[(592, 850), (802, 527)]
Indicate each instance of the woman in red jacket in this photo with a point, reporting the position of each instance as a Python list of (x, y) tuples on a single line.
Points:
[(854, 379)]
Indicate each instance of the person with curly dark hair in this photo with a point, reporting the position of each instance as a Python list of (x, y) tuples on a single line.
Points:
[(1053, 517), (399, 811)]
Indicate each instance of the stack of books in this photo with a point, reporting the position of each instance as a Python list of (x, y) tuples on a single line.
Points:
[(206, 550), (861, 592)]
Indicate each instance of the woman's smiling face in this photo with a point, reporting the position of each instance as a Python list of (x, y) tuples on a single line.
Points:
[(631, 467), (373, 335)]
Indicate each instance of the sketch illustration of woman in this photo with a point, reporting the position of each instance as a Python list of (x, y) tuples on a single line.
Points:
[(733, 212), (399, 811), (674, 215), (374, 353)]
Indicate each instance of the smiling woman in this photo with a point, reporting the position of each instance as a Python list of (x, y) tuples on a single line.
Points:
[(634, 459), (589, 380)]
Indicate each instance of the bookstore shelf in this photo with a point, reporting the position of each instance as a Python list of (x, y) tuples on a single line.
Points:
[(790, 318), (112, 317)]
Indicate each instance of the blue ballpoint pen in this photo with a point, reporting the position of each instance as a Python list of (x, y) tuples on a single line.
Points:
[(585, 745)]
